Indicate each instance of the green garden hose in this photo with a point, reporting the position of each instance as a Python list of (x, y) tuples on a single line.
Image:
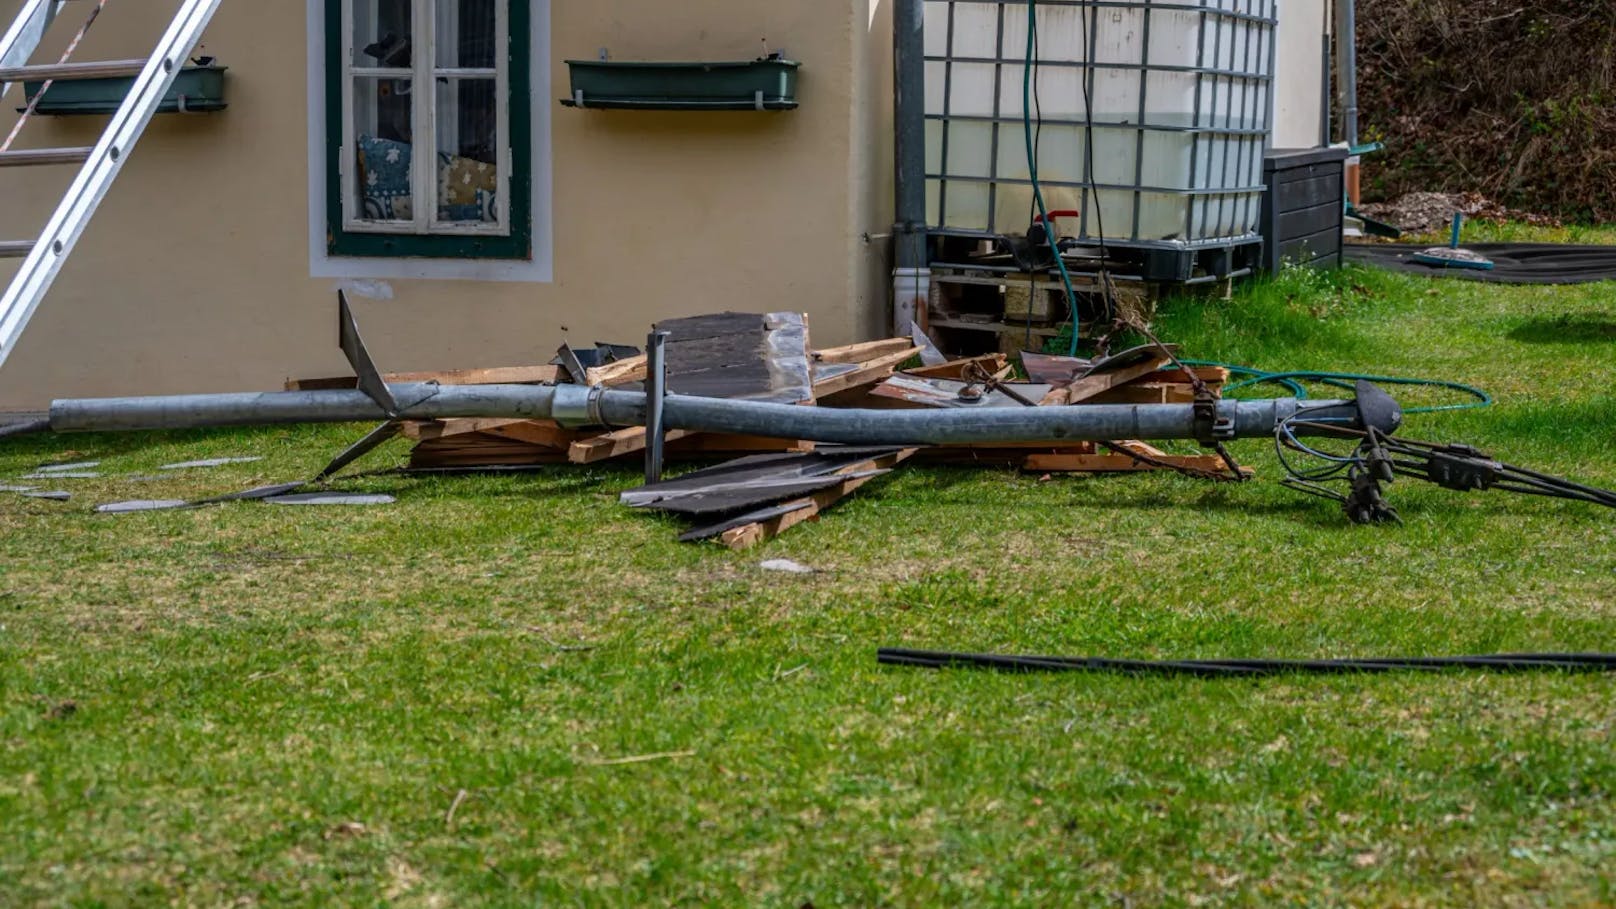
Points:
[(1050, 233), (1292, 382)]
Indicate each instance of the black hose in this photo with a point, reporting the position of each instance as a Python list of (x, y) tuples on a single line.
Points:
[(1509, 662)]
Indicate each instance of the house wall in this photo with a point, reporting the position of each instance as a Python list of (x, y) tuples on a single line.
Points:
[(196, 275), (1300, 66)]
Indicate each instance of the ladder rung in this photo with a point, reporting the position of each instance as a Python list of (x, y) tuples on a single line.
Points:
[(33, 156), (63, 71), (15, 249)]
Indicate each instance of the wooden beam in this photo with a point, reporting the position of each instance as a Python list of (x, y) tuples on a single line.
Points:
[(868, 373), (1090, 386), (752, 534), (423, 430), (496, 375), (60, 72), (994, 364), (614, 445), (474, 450), (1147, 393), (618, 372), (864, 352), (723, 443), (1117, 463), (537, 432), (1211, 375)]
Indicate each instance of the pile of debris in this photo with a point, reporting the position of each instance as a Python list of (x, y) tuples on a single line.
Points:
[(780, 482), (1422, 213)]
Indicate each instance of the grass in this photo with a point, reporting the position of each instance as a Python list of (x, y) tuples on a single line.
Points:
[(255, 705)]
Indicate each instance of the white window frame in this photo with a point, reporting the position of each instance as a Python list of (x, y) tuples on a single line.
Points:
[(424, 117)]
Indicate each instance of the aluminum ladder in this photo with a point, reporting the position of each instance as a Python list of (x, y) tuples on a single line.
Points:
[(153, 77)]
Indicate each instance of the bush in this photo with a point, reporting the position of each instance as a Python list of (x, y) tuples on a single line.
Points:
[(1510, 99)]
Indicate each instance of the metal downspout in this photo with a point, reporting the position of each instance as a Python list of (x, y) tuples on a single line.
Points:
[(1346, 61), (911, 277)]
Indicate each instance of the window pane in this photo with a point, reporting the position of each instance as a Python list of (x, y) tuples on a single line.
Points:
[(381, 110), (382, 33), (466, 35), (468, 151)]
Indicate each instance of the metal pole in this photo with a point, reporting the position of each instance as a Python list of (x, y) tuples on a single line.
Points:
[(577, 405), (1327, 102), (911, 276), (656, 392)]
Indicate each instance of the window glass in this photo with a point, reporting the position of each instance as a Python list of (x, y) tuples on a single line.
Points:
[(466, 34), (431, 128), (382, 37), (468, 150), (382, 144)]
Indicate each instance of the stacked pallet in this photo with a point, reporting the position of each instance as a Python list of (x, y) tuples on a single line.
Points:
[(729, 355)]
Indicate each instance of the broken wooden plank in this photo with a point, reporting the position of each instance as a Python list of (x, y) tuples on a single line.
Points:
[(809, 507), (864, 351), (995, 364), (1211, 375), (614, 445), (710, 443), (869, 372), (619, 372), (474, 450), (1121, 463), (1146, 393), (955, 393), (536, 432), (1090, 386), (422, 430), (495, 375)]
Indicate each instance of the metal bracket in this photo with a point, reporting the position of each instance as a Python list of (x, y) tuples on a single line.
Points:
[(353, 347), (568, 360), (656, 394), (573, 406), (1211, 428), (359, 449), (370, 379)]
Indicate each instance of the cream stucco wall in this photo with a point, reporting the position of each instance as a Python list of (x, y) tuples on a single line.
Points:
[(196, 274), (1299, 63)]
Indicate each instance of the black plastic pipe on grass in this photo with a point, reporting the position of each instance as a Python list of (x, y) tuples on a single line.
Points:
[(1508, 662)]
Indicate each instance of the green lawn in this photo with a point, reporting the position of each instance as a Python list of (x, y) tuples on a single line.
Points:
[(429, 704)]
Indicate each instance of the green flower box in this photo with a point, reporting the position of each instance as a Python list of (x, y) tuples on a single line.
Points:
[(768, 84), (196, 89)]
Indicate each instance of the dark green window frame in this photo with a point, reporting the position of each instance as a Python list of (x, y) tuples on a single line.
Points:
[(519, 243)]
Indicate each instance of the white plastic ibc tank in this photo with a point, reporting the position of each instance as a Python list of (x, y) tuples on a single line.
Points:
[(974, 101)]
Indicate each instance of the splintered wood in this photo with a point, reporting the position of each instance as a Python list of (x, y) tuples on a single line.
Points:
[(733, 355), (767, 357)]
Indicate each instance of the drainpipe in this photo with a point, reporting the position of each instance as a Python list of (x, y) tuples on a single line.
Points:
[(1327, 101), (911, 276), (1346, 61)]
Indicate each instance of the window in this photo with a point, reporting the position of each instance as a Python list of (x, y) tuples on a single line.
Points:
[(428, 128)]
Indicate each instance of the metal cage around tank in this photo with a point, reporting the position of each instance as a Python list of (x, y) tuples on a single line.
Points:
[(1150, 117)]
